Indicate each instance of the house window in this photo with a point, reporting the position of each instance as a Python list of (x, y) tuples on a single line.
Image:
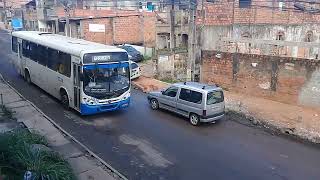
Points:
[(309, 36), (280, 36), (244, 3), (246, 35), (281, 5)]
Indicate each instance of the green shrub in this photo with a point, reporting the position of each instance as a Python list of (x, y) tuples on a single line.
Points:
[(17, 156)]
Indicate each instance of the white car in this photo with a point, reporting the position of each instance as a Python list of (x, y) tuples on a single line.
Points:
[(135, 70)]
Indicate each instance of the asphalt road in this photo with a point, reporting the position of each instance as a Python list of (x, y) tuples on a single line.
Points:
[(146, 144)]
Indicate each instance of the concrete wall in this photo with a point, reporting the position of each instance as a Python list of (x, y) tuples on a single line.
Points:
[(226, 12), (211, 38), (172, 66), (42, 25), (224, 19), (288, 80)]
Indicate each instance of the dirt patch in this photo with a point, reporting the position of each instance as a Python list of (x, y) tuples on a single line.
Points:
[(146, 84), (289, 133)]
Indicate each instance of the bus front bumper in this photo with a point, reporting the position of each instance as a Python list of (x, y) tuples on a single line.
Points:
[(95, 109)]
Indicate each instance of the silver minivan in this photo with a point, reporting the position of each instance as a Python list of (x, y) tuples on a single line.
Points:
[(199, 102)]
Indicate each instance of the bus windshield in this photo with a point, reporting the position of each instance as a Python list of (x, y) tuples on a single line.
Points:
[(103, 82)]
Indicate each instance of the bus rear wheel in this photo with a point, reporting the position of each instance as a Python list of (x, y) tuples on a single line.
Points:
[(64, 100), (27, 77)]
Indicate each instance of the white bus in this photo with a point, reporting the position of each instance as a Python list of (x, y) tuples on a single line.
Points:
[(86, 76)]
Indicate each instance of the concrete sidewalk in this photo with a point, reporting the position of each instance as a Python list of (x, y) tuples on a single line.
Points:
[(295, 120), (82, 162)]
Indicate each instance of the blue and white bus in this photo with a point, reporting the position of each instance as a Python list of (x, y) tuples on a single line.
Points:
[(86, 76)]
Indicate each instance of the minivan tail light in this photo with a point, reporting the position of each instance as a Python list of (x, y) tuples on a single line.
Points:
[(204, 112)]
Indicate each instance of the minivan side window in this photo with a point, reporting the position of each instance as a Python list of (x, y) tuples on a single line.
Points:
[(171, 91), (215, 97), (190, 96)]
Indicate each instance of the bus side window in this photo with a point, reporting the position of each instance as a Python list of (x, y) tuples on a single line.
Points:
[(25, 48), (52, 58), (42, 55), (14, 44), (33, 51), (64, 64), (60, 68)]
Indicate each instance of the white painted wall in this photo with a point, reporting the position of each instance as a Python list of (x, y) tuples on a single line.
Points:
[(42, 25)]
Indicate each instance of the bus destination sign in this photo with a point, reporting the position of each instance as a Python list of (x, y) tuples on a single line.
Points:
[(101, 58), (105, 57)]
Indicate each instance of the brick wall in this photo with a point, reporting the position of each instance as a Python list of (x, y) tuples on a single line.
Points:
[(288, 80), (149, 29), (99, 37), (128, 30), (85, 13), (261, 12), (121, 27)]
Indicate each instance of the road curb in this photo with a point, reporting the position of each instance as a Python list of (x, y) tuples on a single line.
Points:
[(108, 166)]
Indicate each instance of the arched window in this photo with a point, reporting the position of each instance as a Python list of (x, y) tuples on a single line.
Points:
[(309, 36), (246, 35), (280, 36)]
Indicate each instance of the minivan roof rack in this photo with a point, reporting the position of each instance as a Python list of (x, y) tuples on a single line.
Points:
[(185, 83), (43, 33)]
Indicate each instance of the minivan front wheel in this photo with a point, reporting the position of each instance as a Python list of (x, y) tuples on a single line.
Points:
[(194, 119), (154, 104)]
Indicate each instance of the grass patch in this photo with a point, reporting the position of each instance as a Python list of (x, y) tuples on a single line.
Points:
[(19, 155), (145, 59)]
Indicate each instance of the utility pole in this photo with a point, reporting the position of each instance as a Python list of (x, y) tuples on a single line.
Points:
[(5, 14), (95, 4), (67, 15), (115, 4), (67, 7), (192, 42), (172, 26)]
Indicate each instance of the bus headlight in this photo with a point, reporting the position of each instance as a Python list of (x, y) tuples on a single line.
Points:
[(126, 96), (89, 100)]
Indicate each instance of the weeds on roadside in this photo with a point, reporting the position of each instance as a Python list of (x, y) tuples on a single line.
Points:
[(18, 155), (6, 112), (145, 59)]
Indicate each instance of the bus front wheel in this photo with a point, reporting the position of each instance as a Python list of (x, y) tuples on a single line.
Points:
[(27, 77), (64, 99)]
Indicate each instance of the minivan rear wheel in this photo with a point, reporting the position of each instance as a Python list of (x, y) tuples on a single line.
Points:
[(194, 119), (154, 104)]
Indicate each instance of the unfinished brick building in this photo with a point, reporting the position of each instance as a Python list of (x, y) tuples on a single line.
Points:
[(263, 48)]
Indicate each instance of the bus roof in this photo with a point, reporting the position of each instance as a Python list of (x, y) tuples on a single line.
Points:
[(76, 47)]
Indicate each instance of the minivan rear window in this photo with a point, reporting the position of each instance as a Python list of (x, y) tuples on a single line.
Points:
[(215, 97), (190, 96)]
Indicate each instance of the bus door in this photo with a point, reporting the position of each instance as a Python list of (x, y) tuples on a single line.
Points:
[(76, 85), (21, 61)]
